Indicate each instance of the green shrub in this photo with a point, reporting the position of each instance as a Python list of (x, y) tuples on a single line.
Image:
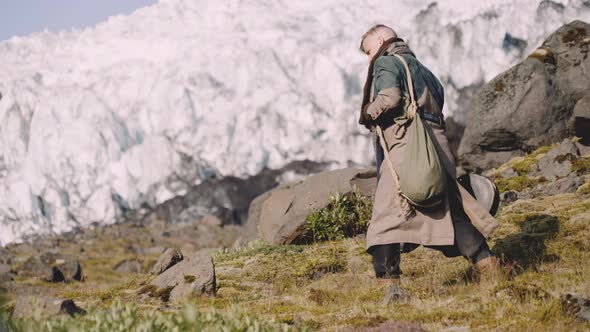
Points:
[(344, 216)]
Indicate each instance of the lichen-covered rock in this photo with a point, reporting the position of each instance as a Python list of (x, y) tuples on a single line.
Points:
[(168, 258), (531, 104), (27, 306), (193, 276), (557, 163)]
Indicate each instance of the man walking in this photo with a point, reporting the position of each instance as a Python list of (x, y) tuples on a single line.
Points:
[(458, 225)]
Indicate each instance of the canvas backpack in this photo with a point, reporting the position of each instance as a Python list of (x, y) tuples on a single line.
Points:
[(421, 180)]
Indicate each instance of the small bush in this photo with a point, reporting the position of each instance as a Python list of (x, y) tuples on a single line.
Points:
[(344, 216)]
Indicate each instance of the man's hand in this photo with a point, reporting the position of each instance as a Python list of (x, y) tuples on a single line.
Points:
[(366, 118)]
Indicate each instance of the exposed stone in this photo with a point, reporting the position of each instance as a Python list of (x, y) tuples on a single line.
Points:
[(395, 294), (529, 105), (282, 214), (71, 269), (27, 306), (168, 258), (193, 276), (557, 162), (36, 268), (509, 196), (582, 119), (509, 173), (568, 184), (227, 198), (576, 305), (52, 266), (128, 266)]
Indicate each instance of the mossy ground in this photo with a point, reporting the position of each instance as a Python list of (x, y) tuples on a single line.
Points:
[(545, 243)]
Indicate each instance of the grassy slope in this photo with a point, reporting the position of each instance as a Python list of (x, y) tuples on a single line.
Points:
[(330, 285)]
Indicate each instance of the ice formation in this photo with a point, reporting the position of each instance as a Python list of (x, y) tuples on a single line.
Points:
[(140, 107)]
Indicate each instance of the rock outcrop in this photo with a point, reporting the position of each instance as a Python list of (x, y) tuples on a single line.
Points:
[(532, 104), (559, 169), (280, 214), (168, 259), (52, 267), (193, 276)]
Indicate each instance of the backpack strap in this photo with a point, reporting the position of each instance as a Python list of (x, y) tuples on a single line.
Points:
[(413, 107)]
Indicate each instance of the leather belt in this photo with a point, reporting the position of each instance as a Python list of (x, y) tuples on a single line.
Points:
[(432, 118)]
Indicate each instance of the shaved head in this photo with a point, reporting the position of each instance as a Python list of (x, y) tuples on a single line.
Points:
[(374, 38)]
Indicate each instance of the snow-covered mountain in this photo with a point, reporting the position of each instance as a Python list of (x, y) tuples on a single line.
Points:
[(140, 107)]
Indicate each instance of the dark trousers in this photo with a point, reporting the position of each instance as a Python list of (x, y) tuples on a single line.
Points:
[(469, 242)]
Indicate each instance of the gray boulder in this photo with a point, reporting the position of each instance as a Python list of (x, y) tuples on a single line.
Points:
[(168, 259), (193, 276), (280, 214), (129, 266), (27, 306), (531, 104)]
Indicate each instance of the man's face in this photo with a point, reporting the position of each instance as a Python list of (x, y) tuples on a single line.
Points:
[(371, 45)]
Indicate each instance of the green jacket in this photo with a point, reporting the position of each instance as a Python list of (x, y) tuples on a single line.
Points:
[(390, 90)]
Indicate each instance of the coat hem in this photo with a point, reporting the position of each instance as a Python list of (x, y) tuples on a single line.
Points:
[(435, 241)]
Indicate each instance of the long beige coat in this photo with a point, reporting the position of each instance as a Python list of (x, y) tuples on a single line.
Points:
[(426, 227)]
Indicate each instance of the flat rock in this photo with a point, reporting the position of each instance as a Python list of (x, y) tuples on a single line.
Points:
[(27, 306), (193, 276), (168, 259)]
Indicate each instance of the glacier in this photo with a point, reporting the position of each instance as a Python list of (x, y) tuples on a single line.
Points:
[(138, 108)]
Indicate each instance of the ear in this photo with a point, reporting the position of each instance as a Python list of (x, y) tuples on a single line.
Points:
[(381, 40)]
